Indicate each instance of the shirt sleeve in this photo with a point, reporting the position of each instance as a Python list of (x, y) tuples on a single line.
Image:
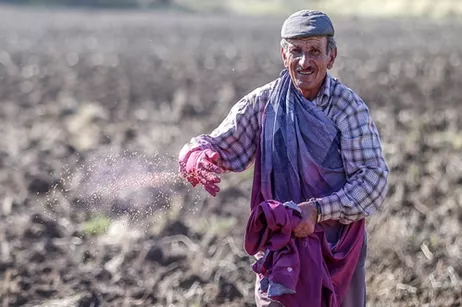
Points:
[(235, 139), (365, 168)]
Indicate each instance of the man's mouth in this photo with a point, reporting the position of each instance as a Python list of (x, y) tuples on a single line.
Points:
[(305, 72)]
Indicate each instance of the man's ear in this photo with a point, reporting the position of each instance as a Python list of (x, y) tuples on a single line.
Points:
[(332, 57), (284, 58)]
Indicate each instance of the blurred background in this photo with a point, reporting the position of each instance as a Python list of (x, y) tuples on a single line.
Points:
[(97, 97), (419, 8)]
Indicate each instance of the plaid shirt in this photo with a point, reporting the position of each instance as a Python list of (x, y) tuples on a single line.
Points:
[(236, 141)]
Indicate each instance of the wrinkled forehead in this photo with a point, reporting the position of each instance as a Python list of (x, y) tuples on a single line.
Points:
[(307, 41)]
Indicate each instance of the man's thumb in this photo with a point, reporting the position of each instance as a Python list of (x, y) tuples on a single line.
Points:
[(212, 155)]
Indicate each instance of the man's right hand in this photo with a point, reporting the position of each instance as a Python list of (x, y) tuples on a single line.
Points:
[(199, 166), (307, 224)]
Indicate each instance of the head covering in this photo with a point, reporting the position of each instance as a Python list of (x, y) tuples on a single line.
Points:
[(307, 23)]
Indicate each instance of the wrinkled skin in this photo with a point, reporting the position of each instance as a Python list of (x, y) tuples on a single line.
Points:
[(308, 221), (307, 61)]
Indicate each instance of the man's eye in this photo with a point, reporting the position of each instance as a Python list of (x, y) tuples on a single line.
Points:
[(295, 51), (315, 52)]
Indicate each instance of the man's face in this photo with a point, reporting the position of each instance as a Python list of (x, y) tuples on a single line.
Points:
[(307, 60)]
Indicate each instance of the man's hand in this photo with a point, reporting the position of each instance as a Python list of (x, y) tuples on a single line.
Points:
[(308, 221), (200, 166)]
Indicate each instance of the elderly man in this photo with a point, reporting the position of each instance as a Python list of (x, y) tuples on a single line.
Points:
[(316, 150)]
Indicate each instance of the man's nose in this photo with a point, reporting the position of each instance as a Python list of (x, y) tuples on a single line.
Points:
[(304, 61)]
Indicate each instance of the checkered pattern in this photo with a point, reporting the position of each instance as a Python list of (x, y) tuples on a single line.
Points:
[(235, 139)]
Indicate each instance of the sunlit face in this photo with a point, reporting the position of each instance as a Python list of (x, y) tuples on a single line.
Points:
[(307, 61)]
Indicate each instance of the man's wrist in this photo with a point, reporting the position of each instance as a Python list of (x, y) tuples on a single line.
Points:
[(318, 211), (292, 205)]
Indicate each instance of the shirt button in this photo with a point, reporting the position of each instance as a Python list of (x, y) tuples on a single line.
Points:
[(289, 269)]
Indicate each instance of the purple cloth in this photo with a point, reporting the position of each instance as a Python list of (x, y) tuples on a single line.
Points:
[(269, 229), (298, 158), (300, 270)]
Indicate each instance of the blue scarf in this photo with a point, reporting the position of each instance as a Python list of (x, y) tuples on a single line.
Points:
[(300, 147)]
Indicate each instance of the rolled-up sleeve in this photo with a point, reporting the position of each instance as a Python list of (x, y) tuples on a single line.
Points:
[(236, 138)]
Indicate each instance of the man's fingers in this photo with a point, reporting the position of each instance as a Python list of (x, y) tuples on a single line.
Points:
[(191, 177), (210, 167), (306, 225), (300, 230), (201, 176), (303, 229), (302, 234), (203, 172), (212, 189), (209, 181), (200, 167), (206, 177), (301, 225)]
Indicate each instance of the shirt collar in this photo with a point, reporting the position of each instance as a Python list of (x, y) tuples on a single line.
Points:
[(325, 91)]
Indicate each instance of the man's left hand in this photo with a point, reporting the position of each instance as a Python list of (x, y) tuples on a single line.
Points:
[(308, 221), (200, 167)]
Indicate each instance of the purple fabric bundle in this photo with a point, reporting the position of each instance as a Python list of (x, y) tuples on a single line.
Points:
[(270, 229), (296, 271)]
